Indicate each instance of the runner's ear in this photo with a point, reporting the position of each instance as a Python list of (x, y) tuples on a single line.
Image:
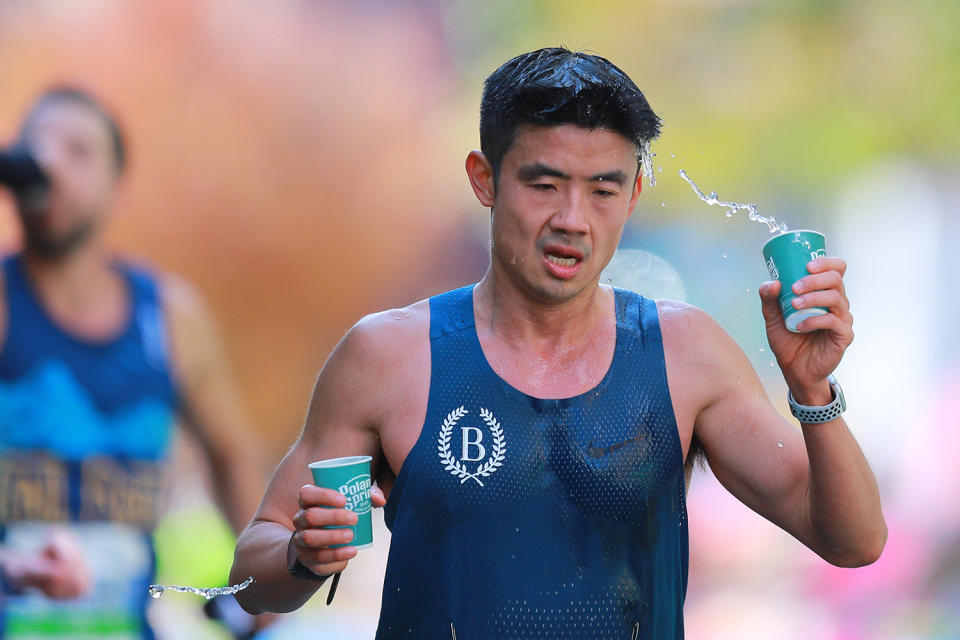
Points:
[(480, 173)]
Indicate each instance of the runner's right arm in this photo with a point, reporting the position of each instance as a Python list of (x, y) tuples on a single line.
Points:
[(343, 419)]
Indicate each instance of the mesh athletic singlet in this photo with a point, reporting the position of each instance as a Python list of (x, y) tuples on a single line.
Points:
[(84, 433), (518, 517)]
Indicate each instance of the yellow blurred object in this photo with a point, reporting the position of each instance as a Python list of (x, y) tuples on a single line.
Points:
[(194, 546)]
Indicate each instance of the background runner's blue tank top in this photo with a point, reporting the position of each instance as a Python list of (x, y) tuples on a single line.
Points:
[(518, 517), (85, 428)]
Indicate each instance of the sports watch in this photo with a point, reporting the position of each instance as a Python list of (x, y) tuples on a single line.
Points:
[(298, 570), (818, 415)]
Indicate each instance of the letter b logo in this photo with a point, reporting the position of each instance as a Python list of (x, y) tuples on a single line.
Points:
[(468, 442)]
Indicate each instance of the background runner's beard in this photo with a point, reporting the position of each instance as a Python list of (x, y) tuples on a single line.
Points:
[(52, 246)]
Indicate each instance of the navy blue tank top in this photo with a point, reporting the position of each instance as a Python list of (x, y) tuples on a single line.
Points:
[(85, 428), (520, 517)]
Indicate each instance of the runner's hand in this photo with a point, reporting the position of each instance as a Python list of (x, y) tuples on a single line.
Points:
[(313, 539), (807, 358), (58, 570)]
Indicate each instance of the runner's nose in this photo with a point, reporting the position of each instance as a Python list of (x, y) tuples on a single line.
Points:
[(571, 215)]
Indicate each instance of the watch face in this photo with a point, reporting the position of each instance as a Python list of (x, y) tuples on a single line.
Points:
[(291, 553), (296, 568), (837, 392)]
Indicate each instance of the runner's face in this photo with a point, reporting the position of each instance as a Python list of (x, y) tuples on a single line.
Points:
[(562, 199), (73, 145)]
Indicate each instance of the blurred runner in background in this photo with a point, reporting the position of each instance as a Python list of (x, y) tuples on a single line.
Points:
[(98, 357)]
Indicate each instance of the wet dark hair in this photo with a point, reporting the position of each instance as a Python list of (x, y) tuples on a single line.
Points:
[(555, 86), (82, 97)]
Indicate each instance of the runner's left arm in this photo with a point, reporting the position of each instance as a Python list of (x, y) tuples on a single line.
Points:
[(212, 404), (814, 482)]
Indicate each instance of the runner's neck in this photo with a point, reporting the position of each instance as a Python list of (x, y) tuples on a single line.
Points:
[(81, 291), (535, 329)]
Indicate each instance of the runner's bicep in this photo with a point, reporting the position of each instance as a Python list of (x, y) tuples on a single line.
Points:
[(343, 414), (339, 423), (757, 455)]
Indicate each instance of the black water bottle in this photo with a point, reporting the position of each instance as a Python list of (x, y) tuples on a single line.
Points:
[(20, 173)]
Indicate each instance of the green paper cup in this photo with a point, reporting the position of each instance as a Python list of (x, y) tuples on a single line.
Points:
[(787, 256), (351, 477)]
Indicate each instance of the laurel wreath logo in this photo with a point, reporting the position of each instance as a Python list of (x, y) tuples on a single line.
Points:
[(456, 467)]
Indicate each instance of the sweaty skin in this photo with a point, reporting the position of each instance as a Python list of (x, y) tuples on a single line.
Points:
[(548, 328)]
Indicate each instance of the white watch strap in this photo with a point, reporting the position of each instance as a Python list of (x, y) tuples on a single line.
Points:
[(818, 415)]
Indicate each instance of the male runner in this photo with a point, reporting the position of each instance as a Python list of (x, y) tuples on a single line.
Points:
[(530, 432), (97, 358)]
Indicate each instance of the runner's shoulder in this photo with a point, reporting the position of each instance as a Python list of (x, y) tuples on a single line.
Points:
[(185, 307), (389, 336), (682, 317), (688, 329)]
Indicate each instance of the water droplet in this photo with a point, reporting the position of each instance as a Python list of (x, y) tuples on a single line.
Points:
[(724, 254), (671, 155), (155, 589), (733, 207), (663, 204), (761, 348), (748, 290), (773, 363), (780, 443)]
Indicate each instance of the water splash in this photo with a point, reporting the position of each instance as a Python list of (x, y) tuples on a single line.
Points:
[(646, 162), (156, 590), (733, 207), (799, 239)]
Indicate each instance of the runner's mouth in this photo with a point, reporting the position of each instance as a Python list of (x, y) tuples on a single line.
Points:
[(562, 261), (561, 255)]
